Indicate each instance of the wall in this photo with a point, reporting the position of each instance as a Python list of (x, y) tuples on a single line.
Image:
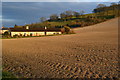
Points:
[(27, 33), (52, 33), (34, 33)]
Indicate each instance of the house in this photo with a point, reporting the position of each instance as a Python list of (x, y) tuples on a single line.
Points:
[(3, 30), (34, 31)]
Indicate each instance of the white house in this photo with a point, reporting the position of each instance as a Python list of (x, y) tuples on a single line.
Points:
[(34, 31)]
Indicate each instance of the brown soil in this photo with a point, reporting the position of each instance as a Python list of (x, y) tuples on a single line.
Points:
[(90, 53)]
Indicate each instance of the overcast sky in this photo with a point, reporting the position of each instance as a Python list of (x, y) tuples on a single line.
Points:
[(21, 13), (59, 0)]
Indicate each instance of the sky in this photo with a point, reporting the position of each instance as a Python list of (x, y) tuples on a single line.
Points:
[(60, 0), (0, 26), (22, 13)]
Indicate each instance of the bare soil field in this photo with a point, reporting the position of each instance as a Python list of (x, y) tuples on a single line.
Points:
[(90, 53)]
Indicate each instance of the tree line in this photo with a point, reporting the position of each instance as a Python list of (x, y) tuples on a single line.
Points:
[(63, 16), (100, 10)]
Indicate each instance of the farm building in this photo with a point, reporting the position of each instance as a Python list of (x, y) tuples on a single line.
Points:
[(33, 31)]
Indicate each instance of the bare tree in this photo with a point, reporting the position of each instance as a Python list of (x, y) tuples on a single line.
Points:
[(112, 4), (62, 15), (101, 5), (15, 26), (42, 19), (69, 13), (54, 17), (101, 9), (76, 14), (82, 12), (114, 8)]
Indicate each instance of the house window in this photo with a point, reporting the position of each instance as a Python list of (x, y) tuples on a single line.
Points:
[(57, 33), (36, 34), (16, 34), (24, 34), (20, 34), (31, 34)]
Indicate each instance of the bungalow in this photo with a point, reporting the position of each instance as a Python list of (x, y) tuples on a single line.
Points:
[(3, 30), (34, 31)]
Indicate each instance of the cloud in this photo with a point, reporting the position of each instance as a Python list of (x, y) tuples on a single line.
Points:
[(30, 12), (5, 20), (0, 14), (0, 20), (8, 20)]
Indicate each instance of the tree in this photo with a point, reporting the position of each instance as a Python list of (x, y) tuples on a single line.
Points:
[(94, 11), (100, 10), (42, 19), (119, 8), (76, 14), (114, 8), (119, 3), (15, 26), (66, 29), (101, 5), (62, 15), (6, 33), (69, 13), (82, 12), (112, 4), (53, 17)]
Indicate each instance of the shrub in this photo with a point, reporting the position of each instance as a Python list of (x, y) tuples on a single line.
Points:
[(66, 29), (30, 34), (6, 35), (21, 35), (15, 36), (71, 31)]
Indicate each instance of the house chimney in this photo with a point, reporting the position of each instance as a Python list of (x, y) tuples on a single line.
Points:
[(27, 27), (45, 27), (3, 26)]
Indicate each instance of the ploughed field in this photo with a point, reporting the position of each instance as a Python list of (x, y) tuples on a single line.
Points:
[(90, 53)]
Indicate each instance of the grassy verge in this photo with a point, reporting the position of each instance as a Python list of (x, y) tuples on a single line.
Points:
[(35, 36), (8, 76)]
